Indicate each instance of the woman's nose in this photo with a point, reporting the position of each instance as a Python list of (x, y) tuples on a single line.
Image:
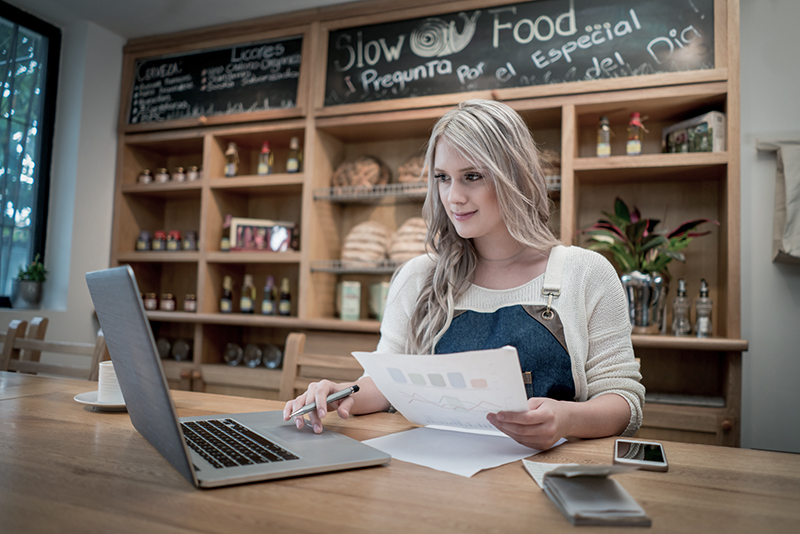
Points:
[(456, 193)]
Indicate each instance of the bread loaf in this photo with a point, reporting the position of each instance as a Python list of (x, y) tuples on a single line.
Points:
[(367, 243), (366, 171), (411, 170), (409, 240)]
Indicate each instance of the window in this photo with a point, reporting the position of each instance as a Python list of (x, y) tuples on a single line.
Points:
[(29, 54)]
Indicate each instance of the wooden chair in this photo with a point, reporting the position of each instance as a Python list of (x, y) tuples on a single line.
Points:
[(23, 346), (300, 368)]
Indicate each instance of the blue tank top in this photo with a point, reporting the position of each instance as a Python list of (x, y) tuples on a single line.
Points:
[(540, 344)]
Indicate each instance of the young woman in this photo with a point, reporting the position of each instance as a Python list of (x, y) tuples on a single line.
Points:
[(497, 276)]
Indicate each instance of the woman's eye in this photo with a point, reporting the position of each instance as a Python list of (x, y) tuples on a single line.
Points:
[(473, 177), (441, 177)]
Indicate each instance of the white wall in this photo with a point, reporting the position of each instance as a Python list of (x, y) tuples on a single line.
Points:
[(83, 170), (770, 76)]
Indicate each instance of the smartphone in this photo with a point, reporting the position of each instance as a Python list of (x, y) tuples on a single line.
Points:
[(647, 455)]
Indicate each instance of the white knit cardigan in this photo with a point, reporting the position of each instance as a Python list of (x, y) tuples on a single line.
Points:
[(592, 307)]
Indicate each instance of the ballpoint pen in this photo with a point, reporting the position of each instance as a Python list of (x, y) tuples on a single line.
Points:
[(346, 392)]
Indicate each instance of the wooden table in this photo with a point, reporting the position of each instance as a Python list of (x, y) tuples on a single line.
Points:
[(67, 468)]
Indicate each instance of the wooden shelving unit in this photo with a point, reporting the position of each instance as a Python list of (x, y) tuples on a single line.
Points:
[(563, 117)]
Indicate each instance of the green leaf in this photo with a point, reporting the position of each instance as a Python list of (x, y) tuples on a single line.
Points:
[(621, 210)]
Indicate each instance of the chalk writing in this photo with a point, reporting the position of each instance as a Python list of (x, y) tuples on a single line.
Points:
[(529, 43), (240, 79)]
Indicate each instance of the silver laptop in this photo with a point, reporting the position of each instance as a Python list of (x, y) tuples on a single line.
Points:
[(209, 451)]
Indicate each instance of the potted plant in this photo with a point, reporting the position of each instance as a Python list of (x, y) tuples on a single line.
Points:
[(26, 289), (642, 255)]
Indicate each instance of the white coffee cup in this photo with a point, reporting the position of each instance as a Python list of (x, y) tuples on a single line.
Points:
[(108, 391)]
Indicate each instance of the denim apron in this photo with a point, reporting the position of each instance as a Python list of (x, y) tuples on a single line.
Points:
[(535, 330)]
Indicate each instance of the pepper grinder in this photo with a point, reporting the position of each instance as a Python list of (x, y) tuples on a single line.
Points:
[(681, 325), (702, 306)]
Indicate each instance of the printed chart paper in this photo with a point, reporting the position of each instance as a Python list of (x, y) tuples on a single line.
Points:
[(454, 391)]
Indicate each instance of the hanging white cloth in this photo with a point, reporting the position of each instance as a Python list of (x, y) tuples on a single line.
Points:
[(786, 225)]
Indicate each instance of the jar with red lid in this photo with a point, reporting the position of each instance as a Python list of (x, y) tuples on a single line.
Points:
[(174, 240), (159, 240)]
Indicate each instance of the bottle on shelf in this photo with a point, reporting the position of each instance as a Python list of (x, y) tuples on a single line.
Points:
[(225, 242), (635, 129), (702, 308), (681, 325), (231, 160), (265, 160), (285, 302), (248, 298), (226, 302), (293, 161), (603, 138), (268, 304)]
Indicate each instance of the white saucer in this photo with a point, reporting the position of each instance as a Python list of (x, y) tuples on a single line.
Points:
[(90, 398)]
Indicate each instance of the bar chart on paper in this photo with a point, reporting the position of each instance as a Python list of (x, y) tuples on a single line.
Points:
[(449, 390)]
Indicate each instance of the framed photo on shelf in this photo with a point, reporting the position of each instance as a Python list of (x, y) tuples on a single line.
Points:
[(253, 235)]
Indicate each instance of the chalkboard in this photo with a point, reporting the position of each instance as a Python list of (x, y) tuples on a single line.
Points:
[(518, 45), (237, 79)]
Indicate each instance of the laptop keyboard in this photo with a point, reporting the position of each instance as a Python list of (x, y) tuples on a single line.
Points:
[(226, 443)]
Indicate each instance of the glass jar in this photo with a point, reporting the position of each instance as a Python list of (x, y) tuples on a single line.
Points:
[(273, 357), (193, 173), (252, 356), (162, 175), (181, 350), (145, 177), (150, 301), (190, 303), (164, 347), (233, 354), (167, 302), (159, 241), (143, 241), (174, 241), (190, 240), (179, 175)]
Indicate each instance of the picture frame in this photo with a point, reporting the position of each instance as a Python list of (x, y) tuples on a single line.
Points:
[(261, 235)]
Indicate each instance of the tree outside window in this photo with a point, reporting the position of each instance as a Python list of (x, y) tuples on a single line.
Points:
[(29, 53)]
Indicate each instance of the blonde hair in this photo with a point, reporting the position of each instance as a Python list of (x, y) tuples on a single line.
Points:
[(495, 139)]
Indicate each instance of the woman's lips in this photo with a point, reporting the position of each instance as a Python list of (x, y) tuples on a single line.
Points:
[(464, 215)]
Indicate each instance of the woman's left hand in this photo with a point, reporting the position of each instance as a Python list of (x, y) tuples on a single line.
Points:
[(540, 427)]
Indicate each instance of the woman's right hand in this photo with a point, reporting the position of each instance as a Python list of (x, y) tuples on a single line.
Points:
[(318, 392)]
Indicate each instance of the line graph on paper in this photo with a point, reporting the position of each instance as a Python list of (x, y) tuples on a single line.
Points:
[(450, 402)]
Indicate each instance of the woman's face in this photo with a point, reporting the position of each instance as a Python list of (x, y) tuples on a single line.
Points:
[(468, 197)]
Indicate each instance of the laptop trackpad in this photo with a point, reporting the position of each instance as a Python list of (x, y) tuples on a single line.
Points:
[(290, 433)]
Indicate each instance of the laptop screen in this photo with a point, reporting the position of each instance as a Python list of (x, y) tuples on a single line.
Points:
[(122, 317)]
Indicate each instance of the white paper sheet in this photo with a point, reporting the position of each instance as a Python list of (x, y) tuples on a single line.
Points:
[(451, 394), (450, 390), (459, 453)]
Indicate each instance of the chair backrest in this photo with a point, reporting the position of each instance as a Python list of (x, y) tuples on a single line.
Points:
[(23, 346), (300, 368)]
